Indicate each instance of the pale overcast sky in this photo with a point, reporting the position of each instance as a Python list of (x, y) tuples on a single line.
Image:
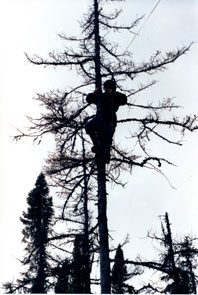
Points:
[(32, 26)]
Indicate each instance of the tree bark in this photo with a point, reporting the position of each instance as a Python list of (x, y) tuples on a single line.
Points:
[(102, 196), (86, 245), (171, 251), (103, 231)]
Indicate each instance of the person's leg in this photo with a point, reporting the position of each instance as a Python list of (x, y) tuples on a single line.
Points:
[(90, 128)]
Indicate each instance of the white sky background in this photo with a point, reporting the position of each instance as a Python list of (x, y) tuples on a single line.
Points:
[(32, 26)]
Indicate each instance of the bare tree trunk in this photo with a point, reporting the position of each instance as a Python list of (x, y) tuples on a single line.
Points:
[(39, 282), (102, 196), (86, 244), (171, 251), (103, 231)]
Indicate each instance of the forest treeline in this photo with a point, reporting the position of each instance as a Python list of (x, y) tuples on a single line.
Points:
[(67, 240), (72, 272)]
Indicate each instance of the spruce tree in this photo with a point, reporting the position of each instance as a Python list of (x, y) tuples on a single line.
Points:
[(63, 285), (188, 263), (78, 266), (119, 273), (37, 223), (72, 274)]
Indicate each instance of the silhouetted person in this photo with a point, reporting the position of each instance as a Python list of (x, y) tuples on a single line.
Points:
[(111, 100)]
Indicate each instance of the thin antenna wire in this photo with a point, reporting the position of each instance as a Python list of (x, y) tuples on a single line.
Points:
[(143, 24)]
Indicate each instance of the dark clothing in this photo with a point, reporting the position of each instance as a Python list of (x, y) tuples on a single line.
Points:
[(110, 103), (108, 130)]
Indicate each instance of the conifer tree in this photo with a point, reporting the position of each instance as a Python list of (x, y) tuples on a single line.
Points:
[(78, 272), (72, 276), (188, 263), (63, 285), (37, 223), (119, 273)]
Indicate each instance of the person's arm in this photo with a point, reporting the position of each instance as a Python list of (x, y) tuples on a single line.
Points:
[(92, 97), (122, 98)]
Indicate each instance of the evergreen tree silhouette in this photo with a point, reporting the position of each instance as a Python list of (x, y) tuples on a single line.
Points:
[(37, 223), (63, 285), (72, 275), (119, 273), (78, 272)]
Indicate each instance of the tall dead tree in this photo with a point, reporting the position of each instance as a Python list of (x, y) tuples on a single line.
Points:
[(102, 195), (171, 255), (66, 113), (86, 240)]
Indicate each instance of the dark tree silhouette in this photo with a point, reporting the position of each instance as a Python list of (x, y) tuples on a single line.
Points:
[(187, 262), (79, 275), (119, 273), (95, 60), (80, 231), (72, 275), (176, 264), (37, 223), (179, 259), (62, 275)]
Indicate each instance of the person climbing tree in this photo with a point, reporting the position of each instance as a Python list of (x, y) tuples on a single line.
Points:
[(111, 100)]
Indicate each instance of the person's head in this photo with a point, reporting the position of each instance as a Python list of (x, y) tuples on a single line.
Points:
[(109, 86)]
